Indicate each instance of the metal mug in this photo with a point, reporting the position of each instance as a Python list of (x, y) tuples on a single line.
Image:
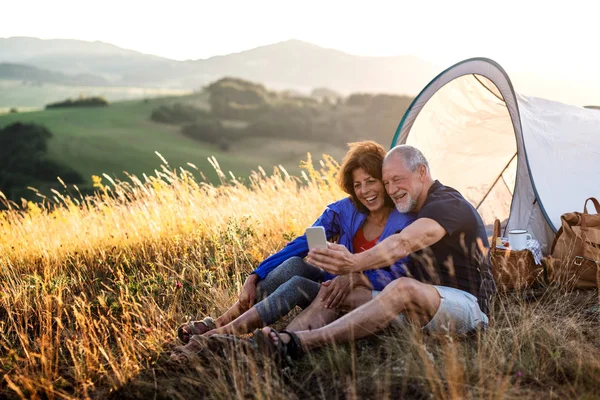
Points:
[(517, 239)]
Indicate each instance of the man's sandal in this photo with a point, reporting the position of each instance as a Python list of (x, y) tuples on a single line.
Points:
[(207, 347), (191, 328), (281, 353), (188, 355)]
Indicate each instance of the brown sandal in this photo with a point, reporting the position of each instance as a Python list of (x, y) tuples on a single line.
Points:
[(206, 347), (282, 353), (188, 354), (191, 328)]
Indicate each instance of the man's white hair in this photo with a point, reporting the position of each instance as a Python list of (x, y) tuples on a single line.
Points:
[(411, 156)]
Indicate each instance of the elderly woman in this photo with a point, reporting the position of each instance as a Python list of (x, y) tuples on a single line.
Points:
[(285, 280)]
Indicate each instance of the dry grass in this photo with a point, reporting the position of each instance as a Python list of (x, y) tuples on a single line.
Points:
[(93, 288)]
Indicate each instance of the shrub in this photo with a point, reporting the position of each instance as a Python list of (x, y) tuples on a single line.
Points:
[(23, 159), (234, 98), (211, 131), (323, 93), (80, 102), (387, 103), (359, 100), (178, 113)]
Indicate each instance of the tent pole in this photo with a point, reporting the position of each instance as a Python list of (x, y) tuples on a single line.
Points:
[(496, 181)]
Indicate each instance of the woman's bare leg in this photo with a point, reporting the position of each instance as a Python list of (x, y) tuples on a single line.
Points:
[(245, 323), (234, 311)]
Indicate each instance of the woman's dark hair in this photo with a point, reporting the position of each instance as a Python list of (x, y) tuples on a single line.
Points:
[(367, 155)]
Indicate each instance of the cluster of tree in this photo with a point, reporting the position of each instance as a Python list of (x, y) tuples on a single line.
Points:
[(233, 98), (212, 131), (178, 113), (24, 162), (324, 117), (80, 102)]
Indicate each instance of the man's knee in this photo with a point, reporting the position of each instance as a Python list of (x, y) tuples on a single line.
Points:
[(406, 292), (401, 286)]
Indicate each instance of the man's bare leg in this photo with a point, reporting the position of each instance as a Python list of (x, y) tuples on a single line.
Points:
[(417, 301), (316, 315)]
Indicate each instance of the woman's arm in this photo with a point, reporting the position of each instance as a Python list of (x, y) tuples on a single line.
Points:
[(299, 246)]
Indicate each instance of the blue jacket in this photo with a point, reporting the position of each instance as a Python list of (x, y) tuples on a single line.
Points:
[(344, 219)]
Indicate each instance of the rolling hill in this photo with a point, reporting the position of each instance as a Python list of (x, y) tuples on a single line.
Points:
[(291, 64), (122, 137), (27, 73)]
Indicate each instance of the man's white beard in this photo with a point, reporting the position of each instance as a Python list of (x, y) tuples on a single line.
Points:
[(409, 205)]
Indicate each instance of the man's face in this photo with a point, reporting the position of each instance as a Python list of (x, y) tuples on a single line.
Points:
[(402, 185)]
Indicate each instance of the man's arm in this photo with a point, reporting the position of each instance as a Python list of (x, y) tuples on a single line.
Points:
[(338, 260)]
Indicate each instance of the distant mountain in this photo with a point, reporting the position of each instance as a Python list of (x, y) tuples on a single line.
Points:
[(292, 64), (302, 65), (116, 65), (34, 75)]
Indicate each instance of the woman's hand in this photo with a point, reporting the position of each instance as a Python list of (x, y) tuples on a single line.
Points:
[(337, 290), (248, 293)]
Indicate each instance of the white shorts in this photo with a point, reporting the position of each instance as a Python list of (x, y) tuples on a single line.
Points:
[(459, 313)]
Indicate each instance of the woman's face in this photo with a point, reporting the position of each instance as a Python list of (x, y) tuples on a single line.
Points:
[(369, 191)]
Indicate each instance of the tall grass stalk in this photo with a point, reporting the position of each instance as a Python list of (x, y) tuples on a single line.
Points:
[(93, 288)]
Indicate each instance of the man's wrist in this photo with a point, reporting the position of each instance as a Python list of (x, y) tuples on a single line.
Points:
[(355, 263)]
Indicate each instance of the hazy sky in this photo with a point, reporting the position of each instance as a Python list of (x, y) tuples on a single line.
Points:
[(521, 35)]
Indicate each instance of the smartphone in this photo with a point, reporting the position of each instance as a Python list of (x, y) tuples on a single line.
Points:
[(316, 237)]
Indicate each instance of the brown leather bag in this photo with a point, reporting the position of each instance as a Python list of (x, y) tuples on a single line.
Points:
[(576, 249)]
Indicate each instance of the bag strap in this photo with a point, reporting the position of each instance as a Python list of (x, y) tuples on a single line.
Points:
[(560, 231), (596, 205), (495, 235), (598, 280)]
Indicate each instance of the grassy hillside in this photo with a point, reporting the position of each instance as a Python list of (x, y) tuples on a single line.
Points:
[(93, 290), (241, 123), (122, 137), (27, 95)]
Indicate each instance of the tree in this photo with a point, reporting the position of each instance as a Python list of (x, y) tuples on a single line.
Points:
[(23, 159)]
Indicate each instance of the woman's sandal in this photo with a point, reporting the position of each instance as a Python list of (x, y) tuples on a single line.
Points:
[(281, 353), (191, 328)]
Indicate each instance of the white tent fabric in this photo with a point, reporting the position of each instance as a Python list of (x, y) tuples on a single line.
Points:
[(520, 159)]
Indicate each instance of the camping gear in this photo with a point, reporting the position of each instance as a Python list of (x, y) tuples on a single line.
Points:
[(518, 159), (518, 239), (576, 249), (515, 269)]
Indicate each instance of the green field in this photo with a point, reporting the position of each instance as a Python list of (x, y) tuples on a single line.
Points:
[(121, 137)]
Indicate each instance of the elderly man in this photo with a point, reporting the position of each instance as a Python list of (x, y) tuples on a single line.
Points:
[(449, 284)]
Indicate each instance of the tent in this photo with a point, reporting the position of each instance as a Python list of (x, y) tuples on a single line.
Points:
[(523, 160)]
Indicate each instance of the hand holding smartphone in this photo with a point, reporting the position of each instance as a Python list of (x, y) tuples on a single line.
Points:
[(315, 235)]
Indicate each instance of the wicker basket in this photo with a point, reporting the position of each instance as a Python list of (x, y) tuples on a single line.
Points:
[(513, 269)]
